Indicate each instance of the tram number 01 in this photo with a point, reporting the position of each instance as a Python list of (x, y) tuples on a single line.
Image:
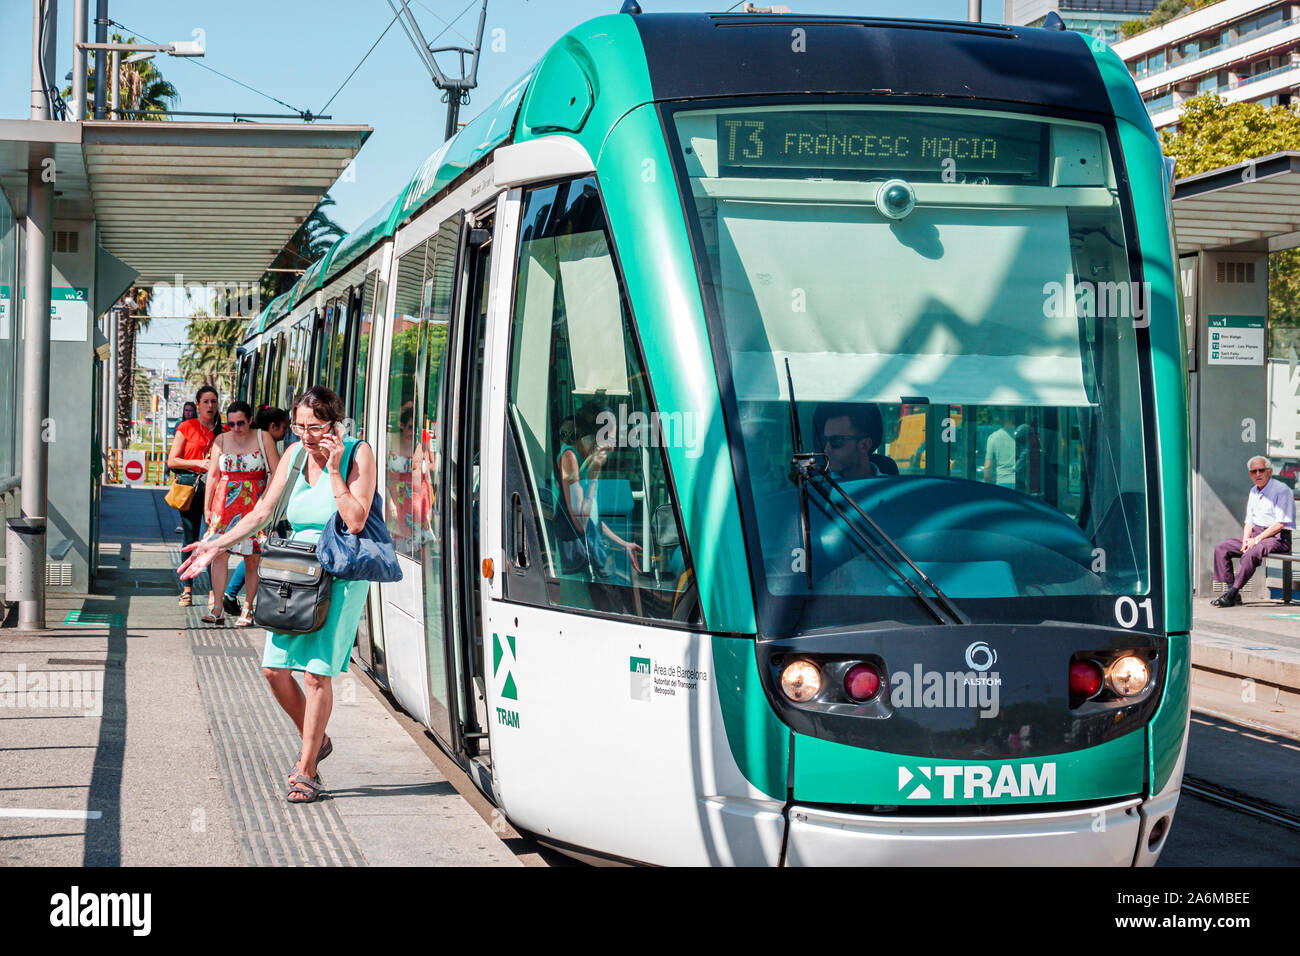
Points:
[(1126, 612)]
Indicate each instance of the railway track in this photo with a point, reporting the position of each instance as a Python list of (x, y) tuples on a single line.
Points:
[(1243, 803)]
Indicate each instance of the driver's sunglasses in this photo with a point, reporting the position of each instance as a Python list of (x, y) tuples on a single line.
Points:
[(839, 441), (315, 431)]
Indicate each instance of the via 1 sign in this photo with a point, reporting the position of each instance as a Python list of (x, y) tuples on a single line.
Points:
[(133, 465), (1236, 340)]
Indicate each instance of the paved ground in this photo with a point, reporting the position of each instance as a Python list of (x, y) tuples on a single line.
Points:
[(160, 743)]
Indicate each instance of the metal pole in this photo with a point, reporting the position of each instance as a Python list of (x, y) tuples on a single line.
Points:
[(44, 20), (117, 85), (79, 13), (36, 390), (101, 57), (453, 112), (113, 441), (974, 13)]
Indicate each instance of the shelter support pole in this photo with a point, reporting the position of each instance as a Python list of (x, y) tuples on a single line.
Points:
[(101, 57), (80, 11), (25, 581)]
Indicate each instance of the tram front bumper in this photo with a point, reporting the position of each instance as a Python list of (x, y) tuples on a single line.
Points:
[(1101, 835)]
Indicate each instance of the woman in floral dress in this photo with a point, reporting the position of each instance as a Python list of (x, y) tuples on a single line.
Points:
[(241, 460)]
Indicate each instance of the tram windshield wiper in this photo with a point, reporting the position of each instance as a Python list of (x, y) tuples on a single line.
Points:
[(813, 472)]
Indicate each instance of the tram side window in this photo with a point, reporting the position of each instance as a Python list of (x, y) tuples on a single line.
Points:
[(584, 421), (404, 510)]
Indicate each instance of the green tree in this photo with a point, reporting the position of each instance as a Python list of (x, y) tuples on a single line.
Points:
[(209, 356), (133, 319), (141, 87), (310, 241), (1213, 133)]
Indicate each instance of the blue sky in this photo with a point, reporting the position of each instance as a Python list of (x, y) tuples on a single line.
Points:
[(301, 51)]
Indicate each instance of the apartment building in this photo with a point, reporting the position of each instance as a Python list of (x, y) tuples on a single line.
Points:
[(1245, 50), (1092, 17)]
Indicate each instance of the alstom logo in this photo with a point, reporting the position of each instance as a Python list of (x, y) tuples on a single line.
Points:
[(971, 781)]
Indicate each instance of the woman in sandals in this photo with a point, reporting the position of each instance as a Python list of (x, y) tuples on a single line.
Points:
[(319, 490), (189, 457), (242, 459)]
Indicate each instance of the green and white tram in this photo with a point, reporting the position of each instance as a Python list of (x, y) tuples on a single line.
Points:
[(783, 428)]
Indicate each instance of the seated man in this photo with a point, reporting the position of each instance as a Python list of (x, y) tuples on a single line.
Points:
[(849, 434), (1270, 519)]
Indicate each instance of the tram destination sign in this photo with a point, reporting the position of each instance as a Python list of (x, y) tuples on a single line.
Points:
[(876, 142)]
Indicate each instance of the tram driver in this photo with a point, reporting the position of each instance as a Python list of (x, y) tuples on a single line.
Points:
[(849, 434)]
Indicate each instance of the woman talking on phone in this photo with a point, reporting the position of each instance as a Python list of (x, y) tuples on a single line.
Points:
[(318, 491)]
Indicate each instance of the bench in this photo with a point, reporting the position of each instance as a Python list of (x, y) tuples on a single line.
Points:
[(1287, 561)]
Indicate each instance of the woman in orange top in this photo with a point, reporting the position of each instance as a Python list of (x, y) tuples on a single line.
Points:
[(189, 456)]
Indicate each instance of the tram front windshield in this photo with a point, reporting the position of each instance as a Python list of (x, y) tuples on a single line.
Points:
[(948, 295)]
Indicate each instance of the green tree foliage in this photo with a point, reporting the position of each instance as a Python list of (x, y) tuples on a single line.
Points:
[(309, 242), (209, 356), (1165, 11), (1212, 134)]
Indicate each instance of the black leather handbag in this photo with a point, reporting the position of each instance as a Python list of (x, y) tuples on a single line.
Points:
[(293, 590)]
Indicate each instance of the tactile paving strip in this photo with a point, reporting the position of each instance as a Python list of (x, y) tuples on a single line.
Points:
[(256, 744)]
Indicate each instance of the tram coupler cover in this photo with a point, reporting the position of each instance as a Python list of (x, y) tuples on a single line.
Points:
[(24, 549)]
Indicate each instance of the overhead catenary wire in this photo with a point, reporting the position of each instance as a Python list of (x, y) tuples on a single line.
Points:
[(305, 114), (382, 34)]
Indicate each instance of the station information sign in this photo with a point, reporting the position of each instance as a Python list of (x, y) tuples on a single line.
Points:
[(865, 143), (1236, 339)]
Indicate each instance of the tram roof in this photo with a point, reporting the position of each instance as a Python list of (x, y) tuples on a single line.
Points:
[(740, 54), (1249, 206)]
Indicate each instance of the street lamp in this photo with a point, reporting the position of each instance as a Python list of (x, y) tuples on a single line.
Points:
[(138, 51)]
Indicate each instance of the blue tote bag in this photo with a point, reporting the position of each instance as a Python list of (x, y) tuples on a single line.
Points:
[(366, 556)]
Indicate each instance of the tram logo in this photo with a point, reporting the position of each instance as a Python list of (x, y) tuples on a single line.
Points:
[(980, 657), (971, 781), (503, 659)]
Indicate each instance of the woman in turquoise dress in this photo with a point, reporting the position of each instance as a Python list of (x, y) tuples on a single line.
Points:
[(318, 492)]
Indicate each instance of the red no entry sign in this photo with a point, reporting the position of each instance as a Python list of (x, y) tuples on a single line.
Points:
[(133, 470)]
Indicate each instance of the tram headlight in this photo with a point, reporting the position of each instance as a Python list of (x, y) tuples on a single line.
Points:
[(895, 199), (1128, 676), (801, 680)]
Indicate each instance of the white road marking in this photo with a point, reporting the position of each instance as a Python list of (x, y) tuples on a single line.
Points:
[(50, 814)]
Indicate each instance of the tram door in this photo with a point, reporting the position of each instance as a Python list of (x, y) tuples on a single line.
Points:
[(463, 478)]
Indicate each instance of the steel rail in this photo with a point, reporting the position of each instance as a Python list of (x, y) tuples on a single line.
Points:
[(1223, 796)]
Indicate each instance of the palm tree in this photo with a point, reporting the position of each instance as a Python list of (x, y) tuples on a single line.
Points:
[(309, 242), (209, 357), (134, 319), (141, 87)]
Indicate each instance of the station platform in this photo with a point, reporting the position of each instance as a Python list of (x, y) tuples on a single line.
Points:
[(147, 738)]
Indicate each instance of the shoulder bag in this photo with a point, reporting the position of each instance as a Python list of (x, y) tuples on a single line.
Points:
[(293, 590), (368, 555)]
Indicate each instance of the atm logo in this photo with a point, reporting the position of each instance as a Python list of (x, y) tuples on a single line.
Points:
[(974, 781), (642, 681)]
